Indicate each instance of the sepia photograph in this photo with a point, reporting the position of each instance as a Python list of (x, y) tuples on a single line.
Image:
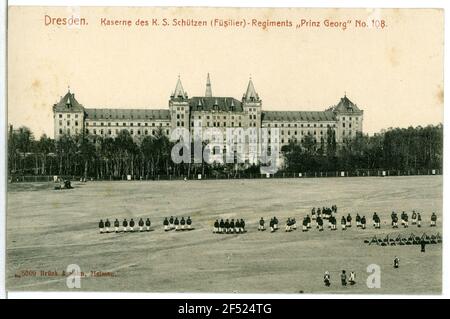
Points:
[(225, 150)]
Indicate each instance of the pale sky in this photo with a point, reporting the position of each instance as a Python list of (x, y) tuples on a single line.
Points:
[(394, 74)]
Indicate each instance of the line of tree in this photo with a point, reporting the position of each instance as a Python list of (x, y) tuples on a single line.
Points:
[(115, 158)]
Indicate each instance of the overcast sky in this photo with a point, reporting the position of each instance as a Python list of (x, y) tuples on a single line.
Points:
[(395, 75)]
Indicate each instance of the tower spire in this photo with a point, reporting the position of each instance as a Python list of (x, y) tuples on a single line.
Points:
[(250, 94), (179, 91), (208, 92)]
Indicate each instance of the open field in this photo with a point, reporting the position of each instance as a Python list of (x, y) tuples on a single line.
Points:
[(48, 230)]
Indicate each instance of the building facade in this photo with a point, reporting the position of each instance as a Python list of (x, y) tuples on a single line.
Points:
[(343, 120)]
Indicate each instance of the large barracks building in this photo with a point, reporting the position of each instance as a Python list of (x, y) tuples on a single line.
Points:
[(343, 120)]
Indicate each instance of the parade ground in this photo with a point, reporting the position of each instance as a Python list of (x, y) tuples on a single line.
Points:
[(47, 230)]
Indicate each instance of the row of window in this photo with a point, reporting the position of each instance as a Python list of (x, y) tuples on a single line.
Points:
[(116, 131), (125, 124), (67, 115), (301, 125), (68, 123)]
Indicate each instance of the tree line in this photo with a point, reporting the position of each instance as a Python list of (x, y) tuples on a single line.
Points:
[(114, 158)]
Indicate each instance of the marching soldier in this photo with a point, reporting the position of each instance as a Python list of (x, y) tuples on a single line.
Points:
[(182, 223), (125, 225), (343, 278), (376, 221), (326, 279), (288, 224), (433, 220), (101, 226), (422, 245), (343, 223), (313, 213), (275, 223), (232, 225), (363, 222), (394, 220), (243, 225), (171, 222), (221, 226), (396, 262), (227, 226), (272, 229), (132, 225), (189, 223), (305, 224), (419, 220), (413, 218), (358, 220), (237, 226), (261, 225), (308, 219), (216, 227), (402, 217), (116, 225), (293, 223), (107, 225), (320, 223), (148, 224), (166, 224), (141, 224), (333, 222), (176, 222)]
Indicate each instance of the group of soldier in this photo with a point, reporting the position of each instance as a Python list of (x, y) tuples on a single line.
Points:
[(416, 219), (344, 280), (127, 226), (172, 223), (229, 226)]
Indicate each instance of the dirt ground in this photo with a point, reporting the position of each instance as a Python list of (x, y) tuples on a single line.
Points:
[(48, 230)]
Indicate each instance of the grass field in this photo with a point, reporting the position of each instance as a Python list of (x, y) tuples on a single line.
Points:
[(48, 230)]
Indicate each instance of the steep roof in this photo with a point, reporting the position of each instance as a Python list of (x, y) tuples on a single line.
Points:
[(345, 106), (208, 91), (68, 103), (250, 94), (127, 114), (225, 104), (179, 92), (298, 116)]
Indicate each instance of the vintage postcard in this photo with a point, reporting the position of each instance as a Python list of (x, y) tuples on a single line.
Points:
[(225, 150)]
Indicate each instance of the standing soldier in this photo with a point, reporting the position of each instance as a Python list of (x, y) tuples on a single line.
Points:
[(419, 220), (433, 220), (221, 226), (313, 213), (166, 224), (413, 218), (343, 223), (308, 220), (405, 224), (189, 223), (148, 224), (141, 224), (107, 225), (332, 221), (176, 222), (288, 224), (358, 220), (396, 262), (243, 225), (116, 225), (343, 278), (132, 225), (352, 278), (394, 220), (216, 227), (275, 223), (349, 221), (326, 279), (402, 217), (261, 225), (101, 226), (294, 223), (363, 222), (374, 219), (171, 222), (320, 223), (125, 225), (422, 245), (182, 223)]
